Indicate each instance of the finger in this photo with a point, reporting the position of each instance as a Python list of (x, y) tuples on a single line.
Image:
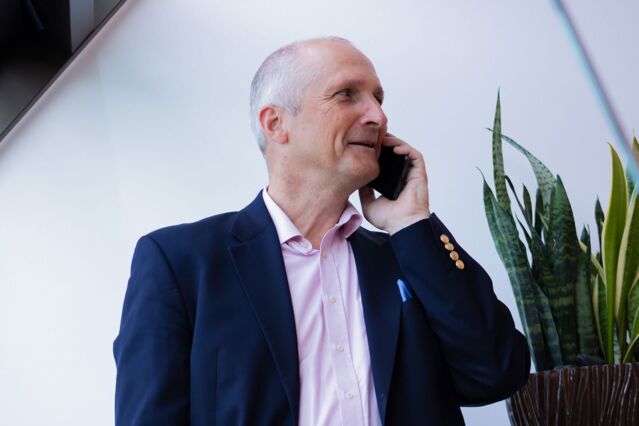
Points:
[(406, 149), (391, 140)]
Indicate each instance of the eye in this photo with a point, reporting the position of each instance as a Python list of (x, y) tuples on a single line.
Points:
[(346, 93)]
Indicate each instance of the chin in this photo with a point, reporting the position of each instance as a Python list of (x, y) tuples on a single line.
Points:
[(367, 176), (360, 173), (373, 171)]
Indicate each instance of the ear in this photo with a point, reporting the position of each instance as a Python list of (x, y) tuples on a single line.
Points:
[(271, 120)]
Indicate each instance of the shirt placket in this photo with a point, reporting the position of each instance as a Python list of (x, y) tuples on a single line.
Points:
[(349, 395)]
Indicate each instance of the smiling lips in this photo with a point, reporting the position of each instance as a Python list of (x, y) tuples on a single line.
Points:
[(364, 144)]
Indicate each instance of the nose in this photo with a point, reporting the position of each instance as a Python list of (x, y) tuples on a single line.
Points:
[(374, 114)]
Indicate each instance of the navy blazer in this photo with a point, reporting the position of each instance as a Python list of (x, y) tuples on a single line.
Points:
[(208, 336)]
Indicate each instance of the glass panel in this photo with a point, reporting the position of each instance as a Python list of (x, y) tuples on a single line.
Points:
[(36, 43)]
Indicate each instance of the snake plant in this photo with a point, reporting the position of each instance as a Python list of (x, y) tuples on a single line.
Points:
[(572, 301)]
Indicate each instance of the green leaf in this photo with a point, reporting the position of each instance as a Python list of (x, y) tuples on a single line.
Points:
[(563, 254), (524, 230), (528, 206), (628, 357), (633, 310), (596, 266), (599, 305), (498, 161), (513, 255), (633, 166), (627, 266), (586, 247), (545, 178), (633, 301), (599, 220), (539, 212), (585, 237), (549, 328), (541, 267), (611, 240), (522, 208), (588, 343)]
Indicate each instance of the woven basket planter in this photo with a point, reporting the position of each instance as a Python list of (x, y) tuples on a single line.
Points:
[(580, 396)]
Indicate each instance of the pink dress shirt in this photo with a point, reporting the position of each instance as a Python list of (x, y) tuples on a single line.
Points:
[(336, 381)]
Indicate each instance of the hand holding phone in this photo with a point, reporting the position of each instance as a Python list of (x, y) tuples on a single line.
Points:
[(398, 164)]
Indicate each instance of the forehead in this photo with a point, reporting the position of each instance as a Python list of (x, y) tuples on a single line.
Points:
[(335, 63)]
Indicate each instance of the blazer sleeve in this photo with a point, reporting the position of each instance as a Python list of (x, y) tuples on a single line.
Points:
[(487, 357), (153, 345)]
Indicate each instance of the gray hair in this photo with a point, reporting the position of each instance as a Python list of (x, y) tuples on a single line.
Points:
[(281, 80)]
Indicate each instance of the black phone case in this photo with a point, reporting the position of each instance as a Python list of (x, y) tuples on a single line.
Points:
[(392, 173)]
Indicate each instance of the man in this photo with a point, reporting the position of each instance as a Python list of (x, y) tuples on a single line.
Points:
[(288, 312)]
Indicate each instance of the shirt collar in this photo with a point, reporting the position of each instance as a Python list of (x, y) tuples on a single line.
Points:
[(348, 222)]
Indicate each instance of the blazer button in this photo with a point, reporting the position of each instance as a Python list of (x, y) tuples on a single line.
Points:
[(459, 264), (444, 238), (449, 246), (454, 255)]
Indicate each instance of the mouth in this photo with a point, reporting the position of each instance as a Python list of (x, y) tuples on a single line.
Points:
[(363, 144)]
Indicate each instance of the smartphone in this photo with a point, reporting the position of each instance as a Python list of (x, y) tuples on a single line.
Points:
[(393, 169)]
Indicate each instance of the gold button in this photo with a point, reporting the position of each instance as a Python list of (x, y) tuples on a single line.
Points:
[(454, 255), (449, 246), (459, 264), (444, 238)]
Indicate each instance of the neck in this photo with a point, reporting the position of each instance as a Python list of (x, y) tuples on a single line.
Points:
[(312, 207)]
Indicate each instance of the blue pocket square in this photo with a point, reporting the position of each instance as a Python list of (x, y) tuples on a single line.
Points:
[(404, 290)]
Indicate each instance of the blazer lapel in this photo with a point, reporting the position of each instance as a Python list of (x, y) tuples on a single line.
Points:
[(378, 274), (260, 267)]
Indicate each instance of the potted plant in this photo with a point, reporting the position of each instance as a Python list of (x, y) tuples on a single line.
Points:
[(579, 308)]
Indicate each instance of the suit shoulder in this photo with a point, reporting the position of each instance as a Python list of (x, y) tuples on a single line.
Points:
[(193, 234)]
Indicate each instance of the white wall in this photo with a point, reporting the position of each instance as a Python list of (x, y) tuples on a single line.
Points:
[(149, 127)]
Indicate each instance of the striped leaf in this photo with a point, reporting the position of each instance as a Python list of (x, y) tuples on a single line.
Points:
[(599, 220), (525, 209), (541, 266), (633, 317), (611, 240), (585, 238), (528, 206), (588, 343), (550, 328), (539, 215), (599, 305), (629, 355), (513, 255), (563, 253), (498, 162), (627, 267), (545, 178)]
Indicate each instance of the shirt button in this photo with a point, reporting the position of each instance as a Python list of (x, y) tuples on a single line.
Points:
[(332, 299), (324, 255), (339, 348), (349, 395)]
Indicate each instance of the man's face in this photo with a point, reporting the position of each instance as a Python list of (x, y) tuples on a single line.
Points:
[(338, 130)]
